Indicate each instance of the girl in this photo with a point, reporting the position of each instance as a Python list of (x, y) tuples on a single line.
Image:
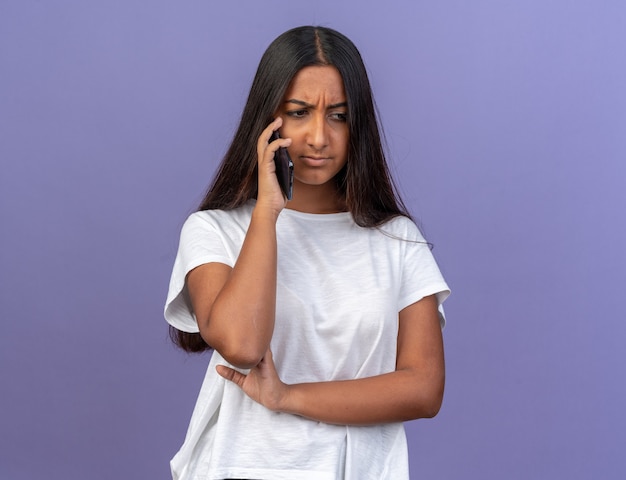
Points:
[(323, 311)]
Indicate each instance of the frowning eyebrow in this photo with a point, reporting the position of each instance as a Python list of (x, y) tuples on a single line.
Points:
[(308, 105)]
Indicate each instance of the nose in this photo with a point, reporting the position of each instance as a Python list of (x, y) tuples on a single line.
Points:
[(317, 137)]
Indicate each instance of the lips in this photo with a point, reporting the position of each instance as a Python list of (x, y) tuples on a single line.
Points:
[(313, 160)]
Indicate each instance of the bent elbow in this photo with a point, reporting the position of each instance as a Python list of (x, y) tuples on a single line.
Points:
[(241, 357), (240, 352), (425, 407), (432, 407), (427, 400), (434, 400)]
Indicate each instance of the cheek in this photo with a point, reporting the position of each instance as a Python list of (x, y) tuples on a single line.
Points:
[(342, 140), (287, 131)]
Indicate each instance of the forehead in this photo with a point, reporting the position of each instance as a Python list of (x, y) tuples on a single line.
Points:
[(317, 83)]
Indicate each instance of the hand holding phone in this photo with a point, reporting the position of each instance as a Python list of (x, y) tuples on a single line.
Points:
[(284, 168)]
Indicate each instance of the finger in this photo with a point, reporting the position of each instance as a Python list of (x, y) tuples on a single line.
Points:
[(264, 138), (229, 374), (267, 148), (267, 362)]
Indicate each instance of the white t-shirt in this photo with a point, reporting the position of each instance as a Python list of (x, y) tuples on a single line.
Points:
[(339, 290)]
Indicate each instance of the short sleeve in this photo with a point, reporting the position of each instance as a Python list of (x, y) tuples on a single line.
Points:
[(200, 243), (421, 276)]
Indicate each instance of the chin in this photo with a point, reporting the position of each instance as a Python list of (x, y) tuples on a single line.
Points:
[(314, 180)]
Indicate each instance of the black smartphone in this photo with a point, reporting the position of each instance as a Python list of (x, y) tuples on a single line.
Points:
[(284, 168)]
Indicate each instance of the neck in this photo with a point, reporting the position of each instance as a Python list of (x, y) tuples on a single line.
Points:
[(316, 198)]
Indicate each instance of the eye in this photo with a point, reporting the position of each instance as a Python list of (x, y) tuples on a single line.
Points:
[(339, 116), (297, 113)]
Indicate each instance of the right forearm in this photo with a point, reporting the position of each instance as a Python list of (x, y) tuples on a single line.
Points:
[(235, 308), (241, 320)]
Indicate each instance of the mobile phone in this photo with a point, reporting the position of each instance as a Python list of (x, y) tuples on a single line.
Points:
[(284, 168)]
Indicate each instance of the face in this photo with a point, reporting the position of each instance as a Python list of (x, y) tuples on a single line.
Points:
[(314, 112)]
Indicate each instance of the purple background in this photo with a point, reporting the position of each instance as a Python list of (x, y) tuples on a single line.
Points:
[(506, 123)]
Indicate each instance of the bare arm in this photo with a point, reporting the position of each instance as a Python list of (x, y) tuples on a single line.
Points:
[(235, 307), (413, 390)]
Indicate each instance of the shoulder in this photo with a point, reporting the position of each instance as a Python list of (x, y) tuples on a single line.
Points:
[(217, 219), (402, 228)]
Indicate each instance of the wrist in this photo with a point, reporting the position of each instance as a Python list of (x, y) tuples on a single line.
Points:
[(288, 400), (265, 213)]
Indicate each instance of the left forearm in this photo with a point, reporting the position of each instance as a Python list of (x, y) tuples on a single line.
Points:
[(393, 397)]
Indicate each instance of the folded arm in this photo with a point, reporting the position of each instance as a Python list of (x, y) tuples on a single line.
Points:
[(413, 390), (235, 307)]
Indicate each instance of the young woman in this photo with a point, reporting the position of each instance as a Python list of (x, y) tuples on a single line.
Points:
[(323, 311)]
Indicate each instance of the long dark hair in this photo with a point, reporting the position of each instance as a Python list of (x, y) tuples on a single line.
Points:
[(365, 182)]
